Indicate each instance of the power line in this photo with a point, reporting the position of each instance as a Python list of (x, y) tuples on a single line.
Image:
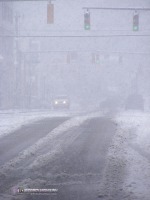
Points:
[(73, 36), (90, 51), (80, 31)]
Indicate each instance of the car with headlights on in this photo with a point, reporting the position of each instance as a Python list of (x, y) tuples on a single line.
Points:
[(61, 102)]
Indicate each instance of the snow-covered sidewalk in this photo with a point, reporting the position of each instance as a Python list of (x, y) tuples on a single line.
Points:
[(137, 153), (127, 175), (139, 126), (11, 120)]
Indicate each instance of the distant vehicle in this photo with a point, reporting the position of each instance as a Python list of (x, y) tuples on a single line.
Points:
[(134, 102), (61, 102), (111, 104)]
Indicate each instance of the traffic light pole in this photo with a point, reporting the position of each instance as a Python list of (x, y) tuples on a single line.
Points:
[(115, 8), (22, 0), (135, 16)]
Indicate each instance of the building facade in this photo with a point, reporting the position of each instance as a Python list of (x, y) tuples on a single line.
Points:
[(6, 55)]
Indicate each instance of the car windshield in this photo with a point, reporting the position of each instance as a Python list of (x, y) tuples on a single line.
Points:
[(61, 97), (74, 99)]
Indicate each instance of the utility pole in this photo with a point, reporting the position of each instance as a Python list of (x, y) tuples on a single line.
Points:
[(17, 17), (16, 59)]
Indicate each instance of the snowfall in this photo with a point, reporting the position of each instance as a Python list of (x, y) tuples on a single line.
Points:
[(128, 153)]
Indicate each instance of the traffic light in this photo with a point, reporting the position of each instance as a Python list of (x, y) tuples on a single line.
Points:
[(50, 13), (95, 58), (87, 20), (135, 22)]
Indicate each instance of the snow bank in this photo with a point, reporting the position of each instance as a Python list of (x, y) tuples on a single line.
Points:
[(140, 123), (137, 153), (13, 120), (127, 174)]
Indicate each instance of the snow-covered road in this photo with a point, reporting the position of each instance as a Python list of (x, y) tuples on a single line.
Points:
[(126, 174), (61, 142)]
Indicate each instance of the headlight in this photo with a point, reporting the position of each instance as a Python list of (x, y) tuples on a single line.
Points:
[(64, 102), (56, 102)]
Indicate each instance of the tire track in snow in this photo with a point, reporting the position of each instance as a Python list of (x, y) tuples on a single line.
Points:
[(10, 165)]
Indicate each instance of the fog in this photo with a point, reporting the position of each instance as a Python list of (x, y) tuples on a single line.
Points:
[(74, 99), (99, 68)]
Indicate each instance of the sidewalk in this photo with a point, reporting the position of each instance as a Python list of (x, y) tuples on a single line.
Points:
[(11, 120), (127, 175)]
